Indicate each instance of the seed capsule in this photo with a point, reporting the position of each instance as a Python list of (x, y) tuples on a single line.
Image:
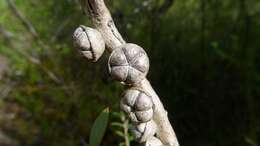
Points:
[(128, 63), (143, 131), (137, 105), (90, 42)]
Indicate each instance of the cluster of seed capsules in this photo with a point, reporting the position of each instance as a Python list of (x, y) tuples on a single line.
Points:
[(128, 64)]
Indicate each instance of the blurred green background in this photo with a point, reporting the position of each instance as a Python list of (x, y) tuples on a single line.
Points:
[(204, 57)]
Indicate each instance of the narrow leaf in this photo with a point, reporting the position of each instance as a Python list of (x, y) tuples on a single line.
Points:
[(99, 128), (119, 133), (116, 124)]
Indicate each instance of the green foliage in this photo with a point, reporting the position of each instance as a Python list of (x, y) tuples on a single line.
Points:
[(99, 127), (121, 127)]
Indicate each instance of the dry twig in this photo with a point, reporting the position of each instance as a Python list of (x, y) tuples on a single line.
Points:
[(104, 23)]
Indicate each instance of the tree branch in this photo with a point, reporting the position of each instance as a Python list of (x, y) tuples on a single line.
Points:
[(125, 126), (103, 21)]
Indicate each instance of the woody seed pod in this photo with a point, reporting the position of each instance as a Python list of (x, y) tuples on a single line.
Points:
[(128, 63), (137, 105), (89, 41), (144, 131)]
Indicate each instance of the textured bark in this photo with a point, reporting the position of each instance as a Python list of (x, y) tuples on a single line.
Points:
[(103, 22)]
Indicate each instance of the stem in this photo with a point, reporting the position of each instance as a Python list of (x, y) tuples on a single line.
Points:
[(103, 21), (127, 142), (165, 131)]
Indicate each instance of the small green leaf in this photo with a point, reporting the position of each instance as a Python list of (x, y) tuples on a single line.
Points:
[(116, 124), (117, 114), (99, 128), (119, 133)]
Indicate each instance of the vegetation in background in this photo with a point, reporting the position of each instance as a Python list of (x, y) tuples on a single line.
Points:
[(204, 64)]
